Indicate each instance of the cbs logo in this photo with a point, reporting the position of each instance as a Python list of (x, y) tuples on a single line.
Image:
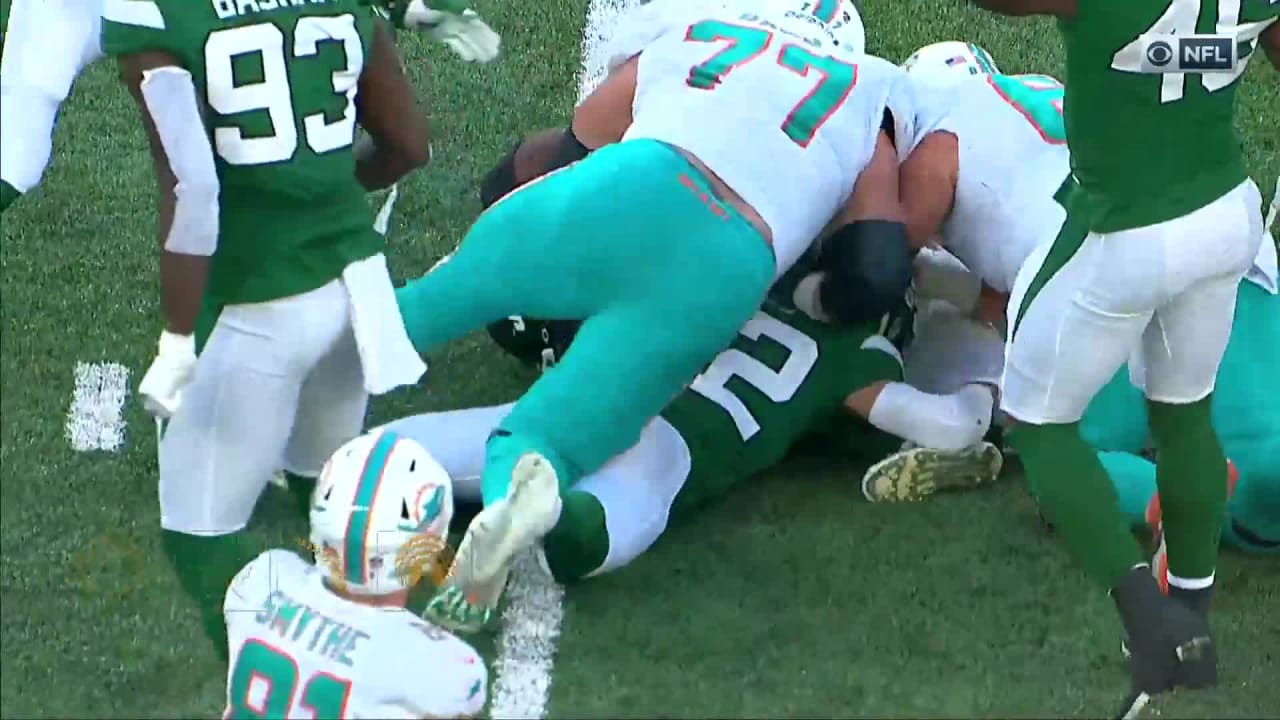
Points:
[(1159, 53)]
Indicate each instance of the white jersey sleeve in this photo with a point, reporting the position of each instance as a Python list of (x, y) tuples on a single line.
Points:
[(1010, 168)]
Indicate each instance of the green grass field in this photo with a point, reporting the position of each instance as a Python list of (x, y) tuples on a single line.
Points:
[(792, 598)]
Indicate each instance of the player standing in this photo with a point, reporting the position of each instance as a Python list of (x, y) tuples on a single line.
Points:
[(1149, 259), (668, 232), (331, 639), (49, 42), (269, 204)]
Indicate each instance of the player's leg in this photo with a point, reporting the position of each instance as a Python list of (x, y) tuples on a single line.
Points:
[(942, 411), (330, 411), (1048, 383), (587, 236), (1095, 292), (455, 438), (1248, 423), (1181, 351), (46, 45), (615, 514), (228, 437), (1116, 419)]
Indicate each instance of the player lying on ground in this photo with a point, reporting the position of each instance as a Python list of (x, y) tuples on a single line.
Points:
[(331, 638), (785, 379), (1248, 425), (981, 151), (49, 42), (666, 232), (1163, 225), (269, 204)]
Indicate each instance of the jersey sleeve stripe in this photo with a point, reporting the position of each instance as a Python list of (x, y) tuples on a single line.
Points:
[(140, 13)]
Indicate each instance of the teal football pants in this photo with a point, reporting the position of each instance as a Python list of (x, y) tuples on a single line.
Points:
[(1246, 416), (631, 240)]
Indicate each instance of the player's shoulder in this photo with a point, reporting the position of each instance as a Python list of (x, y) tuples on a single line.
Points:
[(446, 676), (264, 573)]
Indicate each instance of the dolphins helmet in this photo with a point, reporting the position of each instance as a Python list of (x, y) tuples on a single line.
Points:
[(380, 514), (947, 62)]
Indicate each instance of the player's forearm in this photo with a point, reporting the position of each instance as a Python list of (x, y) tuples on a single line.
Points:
[(927, 185), (1271, 44), (379, 167), (182, 281)]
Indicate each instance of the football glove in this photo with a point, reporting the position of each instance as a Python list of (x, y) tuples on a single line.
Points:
[(173, 368), (457, 26)]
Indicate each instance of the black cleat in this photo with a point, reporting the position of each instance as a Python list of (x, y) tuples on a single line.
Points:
[(1170, 644)]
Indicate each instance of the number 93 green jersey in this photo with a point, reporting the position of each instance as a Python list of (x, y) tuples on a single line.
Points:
[(785, 377), (1150, 146), (278, 81)]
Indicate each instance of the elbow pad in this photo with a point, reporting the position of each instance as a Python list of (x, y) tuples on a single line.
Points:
[(868, 271), (502, 180)]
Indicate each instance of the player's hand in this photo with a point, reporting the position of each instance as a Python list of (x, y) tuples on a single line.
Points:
[(173, 368), (457, 26)]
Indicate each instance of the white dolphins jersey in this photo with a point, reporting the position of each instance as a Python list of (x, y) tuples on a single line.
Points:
[(1013, 159), (300, 651), (765, 97)]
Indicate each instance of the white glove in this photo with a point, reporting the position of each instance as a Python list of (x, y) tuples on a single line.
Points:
[(465, 33), (173, 368)]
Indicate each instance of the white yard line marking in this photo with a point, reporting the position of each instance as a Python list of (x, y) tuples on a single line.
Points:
[(527, 645), (535, 609), (95, 420)]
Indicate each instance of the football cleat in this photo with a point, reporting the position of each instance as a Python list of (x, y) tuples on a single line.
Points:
[(1171, 644), (498, 534), (916, 473)]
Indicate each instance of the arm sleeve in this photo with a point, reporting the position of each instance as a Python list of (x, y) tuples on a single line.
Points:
[(134, 26), (457, 683)]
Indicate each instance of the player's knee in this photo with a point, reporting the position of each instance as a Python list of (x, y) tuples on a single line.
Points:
[(868, 266)]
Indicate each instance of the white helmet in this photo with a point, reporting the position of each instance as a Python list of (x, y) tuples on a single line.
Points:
[(947, 62), (380, 514)]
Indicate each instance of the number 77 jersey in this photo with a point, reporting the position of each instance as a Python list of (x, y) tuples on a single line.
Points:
[(767, 96)]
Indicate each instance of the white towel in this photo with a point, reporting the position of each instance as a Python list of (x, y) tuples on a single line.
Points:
[(386, 355)]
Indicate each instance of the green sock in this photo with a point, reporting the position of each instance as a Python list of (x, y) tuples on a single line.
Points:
[(579, 543), (8, 194), (205, 567), (1134, 478), (1191, 472), (1076, 496)]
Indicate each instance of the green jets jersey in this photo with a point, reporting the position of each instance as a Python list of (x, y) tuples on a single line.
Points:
[(785, 376), (278, 80), (1152, 147)]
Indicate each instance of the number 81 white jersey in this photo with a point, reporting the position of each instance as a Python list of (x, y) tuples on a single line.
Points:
[(763, 94), (298, 650)]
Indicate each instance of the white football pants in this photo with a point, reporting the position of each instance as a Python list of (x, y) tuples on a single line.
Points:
[(47, 44), (278, 384), (636, 488), (1164, 294)]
